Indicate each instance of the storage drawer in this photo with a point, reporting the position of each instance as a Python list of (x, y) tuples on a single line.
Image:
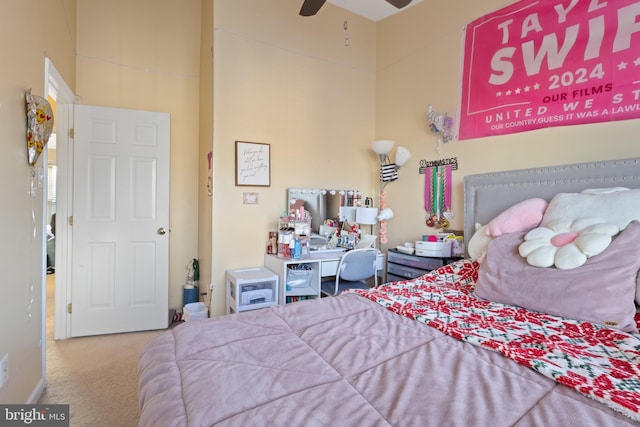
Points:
[(328, 268), (394, 278), (404, 271), (298, 277), (424, 263)]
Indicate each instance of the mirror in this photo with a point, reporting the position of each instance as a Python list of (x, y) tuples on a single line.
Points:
[(322, 204)]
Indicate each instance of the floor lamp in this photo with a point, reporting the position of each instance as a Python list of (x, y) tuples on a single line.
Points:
[(388, 173)]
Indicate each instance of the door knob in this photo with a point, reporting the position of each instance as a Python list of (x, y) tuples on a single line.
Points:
[(161, 231)]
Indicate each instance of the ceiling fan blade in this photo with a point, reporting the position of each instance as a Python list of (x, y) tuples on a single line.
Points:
[(311, 7), (399, 3)]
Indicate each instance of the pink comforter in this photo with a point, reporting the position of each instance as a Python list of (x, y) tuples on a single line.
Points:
[(602, 363), (344, 361)]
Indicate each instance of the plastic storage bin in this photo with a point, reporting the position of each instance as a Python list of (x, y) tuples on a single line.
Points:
[(434, 249), (413, 261), (194, 311), (251, 289), (298, 277)]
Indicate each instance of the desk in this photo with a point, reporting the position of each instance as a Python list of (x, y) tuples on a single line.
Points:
[(307, 278)]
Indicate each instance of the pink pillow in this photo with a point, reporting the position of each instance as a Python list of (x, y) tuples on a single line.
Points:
[(523, 216), (600, 291)]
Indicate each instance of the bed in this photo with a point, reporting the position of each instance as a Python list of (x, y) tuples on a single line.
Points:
[(429, 351)]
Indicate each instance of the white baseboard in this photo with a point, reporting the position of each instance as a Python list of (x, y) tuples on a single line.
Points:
[(37, 392)]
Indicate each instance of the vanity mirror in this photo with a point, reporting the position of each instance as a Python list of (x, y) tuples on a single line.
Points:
[(322, 204)]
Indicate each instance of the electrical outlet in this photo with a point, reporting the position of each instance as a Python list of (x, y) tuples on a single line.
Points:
[(4, 369), (211, 286)]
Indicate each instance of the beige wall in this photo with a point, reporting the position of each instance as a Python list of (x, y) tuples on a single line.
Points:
[(29, 30), (291, 82), (145, 55), (418, 64)]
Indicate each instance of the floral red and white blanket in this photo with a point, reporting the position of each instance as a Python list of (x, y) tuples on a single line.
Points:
[(599, 362)]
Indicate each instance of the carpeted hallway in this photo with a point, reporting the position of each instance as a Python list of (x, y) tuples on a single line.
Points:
[(96, 376)]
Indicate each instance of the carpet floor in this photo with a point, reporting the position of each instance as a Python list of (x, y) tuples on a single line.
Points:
[(97, 376)]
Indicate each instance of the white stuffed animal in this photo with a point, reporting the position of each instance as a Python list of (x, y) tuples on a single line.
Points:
[(479, 242)]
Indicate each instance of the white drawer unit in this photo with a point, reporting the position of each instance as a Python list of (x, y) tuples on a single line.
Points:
[(329, 268), (251, 289)]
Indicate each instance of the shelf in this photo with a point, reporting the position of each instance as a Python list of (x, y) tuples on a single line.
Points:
[(301, 291), (280, 266), (324, 265)]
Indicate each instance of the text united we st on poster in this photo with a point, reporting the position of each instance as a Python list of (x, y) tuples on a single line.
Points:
[(543, 63)]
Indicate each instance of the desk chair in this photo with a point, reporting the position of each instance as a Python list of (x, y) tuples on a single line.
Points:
[(354, 267)]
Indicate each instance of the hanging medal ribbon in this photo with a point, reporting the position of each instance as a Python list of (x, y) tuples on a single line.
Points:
[(428, 201), (433, 188), (446, 189), (437, 195), (438, 185), (429, 196), (427, 190)]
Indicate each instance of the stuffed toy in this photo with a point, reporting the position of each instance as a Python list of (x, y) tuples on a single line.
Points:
[(566, 238), (479, 242), (567, 243), (522, 216)]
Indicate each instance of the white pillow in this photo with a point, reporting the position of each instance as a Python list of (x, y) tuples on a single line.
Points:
[(616, 205)]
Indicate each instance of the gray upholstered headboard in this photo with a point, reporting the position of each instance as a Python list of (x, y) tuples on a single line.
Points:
[(488, 194)]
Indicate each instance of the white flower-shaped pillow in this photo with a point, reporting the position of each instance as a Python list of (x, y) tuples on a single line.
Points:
[(567, 243)]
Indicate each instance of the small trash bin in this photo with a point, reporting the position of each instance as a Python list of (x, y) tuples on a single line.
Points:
[(194, 311)]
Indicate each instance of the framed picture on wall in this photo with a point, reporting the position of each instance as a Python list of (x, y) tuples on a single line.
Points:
[(253, 164)]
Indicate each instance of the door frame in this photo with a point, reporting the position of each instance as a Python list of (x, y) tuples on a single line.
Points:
[(65, 98)]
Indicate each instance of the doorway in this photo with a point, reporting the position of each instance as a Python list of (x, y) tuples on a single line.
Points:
[(118, 182), (57, 153)]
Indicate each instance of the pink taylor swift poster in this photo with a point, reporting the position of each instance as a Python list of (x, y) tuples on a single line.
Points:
[(542, 63)]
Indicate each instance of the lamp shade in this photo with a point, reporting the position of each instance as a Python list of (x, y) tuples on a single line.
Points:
[(382, 146), (402, 156), (385, 214), (348, 213), (367, 215), (388, 172)]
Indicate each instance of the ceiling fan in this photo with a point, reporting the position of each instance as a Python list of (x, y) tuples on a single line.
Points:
[(311, 7)]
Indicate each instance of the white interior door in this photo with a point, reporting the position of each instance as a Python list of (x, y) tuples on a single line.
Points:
[(120, 221)]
